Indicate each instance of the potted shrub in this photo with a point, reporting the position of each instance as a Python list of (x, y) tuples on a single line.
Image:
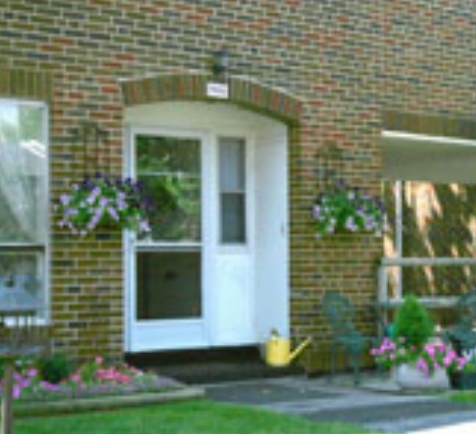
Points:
[(417, 363), (413, 323), (418, 368)]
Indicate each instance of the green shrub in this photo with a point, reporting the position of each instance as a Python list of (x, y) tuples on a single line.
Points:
[(55, 367), (413, 323)]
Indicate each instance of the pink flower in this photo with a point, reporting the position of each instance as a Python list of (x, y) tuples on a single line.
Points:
[(430, 350), (99, 360), (449, 358), (422, 365), (124, 379), (32, 373), (76, 378), (16, 392)]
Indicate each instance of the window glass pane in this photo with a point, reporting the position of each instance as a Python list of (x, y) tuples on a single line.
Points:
[(232, 172), (169, 169), (23, 270), (167, 154), (233, 226), (168, 285), (232, 165), (23, 172)]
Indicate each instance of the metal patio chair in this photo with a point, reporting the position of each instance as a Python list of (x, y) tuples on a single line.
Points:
[(462, 335), (340, 312)]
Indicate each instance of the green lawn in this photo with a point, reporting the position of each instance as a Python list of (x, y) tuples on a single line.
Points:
[(464, 397), (197, 417)]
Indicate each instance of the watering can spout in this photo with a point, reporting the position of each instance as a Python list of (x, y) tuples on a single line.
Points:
[(299, 349), (278, 350)]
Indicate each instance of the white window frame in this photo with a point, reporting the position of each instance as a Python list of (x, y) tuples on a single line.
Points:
[(249, 144), (36, 248)]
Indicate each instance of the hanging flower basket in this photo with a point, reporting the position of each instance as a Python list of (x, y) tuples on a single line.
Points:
[(103, 202), (343, 209)]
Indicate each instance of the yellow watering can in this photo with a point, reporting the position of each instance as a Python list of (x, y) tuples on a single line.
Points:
[(278, 350)]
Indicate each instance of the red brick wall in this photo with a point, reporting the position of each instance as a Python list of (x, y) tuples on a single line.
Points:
[(348, 61)]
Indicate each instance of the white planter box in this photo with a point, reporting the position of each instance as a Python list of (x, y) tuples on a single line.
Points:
[(409, 378)]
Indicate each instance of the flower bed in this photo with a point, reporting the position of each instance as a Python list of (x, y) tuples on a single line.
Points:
[(92, 379), (94, 386)]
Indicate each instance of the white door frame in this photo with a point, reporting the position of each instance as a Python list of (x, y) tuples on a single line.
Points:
[(209, 122)]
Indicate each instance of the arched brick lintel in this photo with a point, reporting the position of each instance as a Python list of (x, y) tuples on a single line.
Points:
[(192, 87)]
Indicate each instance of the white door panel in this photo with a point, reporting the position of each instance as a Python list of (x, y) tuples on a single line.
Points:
[(232, 310)]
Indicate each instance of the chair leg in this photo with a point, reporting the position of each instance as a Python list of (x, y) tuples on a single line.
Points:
[(355, 359), (333, 361)]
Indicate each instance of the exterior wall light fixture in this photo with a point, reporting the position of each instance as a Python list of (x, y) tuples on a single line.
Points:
[(221, 64)]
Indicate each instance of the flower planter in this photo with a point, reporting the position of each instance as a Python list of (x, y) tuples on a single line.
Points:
[(409, 378), (463, 380), (104, 403)]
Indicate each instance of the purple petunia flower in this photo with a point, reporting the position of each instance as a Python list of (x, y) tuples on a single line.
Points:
[(104, 202), (144, 226), (113, 213), (65, 199)]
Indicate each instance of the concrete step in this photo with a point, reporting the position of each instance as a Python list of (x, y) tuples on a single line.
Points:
[(211, 366)]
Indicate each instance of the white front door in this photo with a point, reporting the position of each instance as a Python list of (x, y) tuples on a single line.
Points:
[(191, 278), (167, 300)]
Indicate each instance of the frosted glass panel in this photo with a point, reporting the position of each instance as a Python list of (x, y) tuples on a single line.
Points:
[(233, 218), (232, 190), (232, 165)]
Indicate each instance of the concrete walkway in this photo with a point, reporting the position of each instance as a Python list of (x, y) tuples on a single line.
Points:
[(379, 408)]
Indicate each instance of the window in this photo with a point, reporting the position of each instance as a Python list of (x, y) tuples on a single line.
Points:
[(169, 168), (232, 190), (23, 196), (169, 259)]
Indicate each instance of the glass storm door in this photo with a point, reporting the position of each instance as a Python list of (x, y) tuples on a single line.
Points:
[(167, 279)]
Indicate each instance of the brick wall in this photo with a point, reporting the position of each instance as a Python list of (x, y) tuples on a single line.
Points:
[(349, 62)]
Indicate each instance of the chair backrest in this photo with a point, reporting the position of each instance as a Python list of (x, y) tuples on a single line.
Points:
[(467, 309), (340, 312)]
